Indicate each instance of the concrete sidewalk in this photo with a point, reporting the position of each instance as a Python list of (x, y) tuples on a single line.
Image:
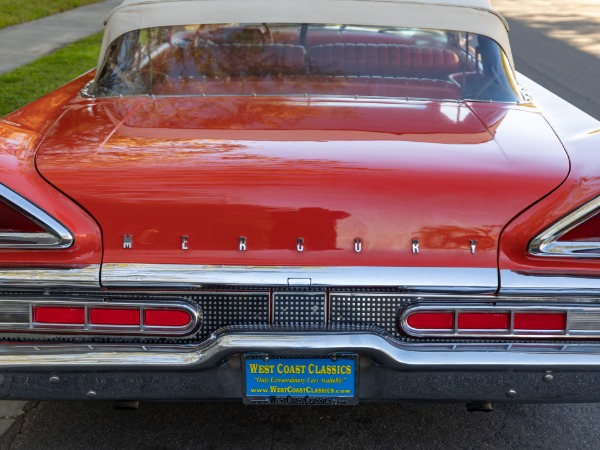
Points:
[(24, 43)]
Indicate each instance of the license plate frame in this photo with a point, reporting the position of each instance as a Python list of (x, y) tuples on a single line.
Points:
[(300, 380)]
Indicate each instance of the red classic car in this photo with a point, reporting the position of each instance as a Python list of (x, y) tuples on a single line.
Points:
[(301, 202)]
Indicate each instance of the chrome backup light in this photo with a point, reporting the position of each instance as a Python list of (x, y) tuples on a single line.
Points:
[(509, 321), (111, 317)]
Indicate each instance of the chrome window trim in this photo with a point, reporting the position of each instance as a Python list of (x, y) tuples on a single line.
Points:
[(421, 279), (56, 236), (546, 243)]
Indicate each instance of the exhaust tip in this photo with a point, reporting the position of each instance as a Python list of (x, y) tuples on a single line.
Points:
[(126, 405), (479, 407)]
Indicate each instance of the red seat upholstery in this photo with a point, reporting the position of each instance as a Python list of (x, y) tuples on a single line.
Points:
[(325, 36), (386, 60)]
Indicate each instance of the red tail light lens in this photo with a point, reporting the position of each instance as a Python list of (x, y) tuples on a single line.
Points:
[(539, 321), (114, 316), (12, 221), (60, 315), (576, 235), (483, 321), (166, 318), (25, 226), (431, 320), (588, 231), (105, 317), (492, 321)]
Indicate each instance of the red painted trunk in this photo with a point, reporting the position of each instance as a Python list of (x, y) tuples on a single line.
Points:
[(274, 170)]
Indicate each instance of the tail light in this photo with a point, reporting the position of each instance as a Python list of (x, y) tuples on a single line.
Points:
[(175, 318), (540, 321), (506, 321), (116, 316), (587, 231), (431, 320), (59, 315), (483, 321), (12, 221), (575, 235), (25, 226), (166, 318)]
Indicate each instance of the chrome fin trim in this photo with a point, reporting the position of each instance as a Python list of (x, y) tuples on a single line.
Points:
[(533, 284), (221, 346), (56, 236), (546, 243), (73, 277), (422, 279)]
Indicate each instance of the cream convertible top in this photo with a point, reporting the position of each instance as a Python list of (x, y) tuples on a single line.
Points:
[(475, 16)]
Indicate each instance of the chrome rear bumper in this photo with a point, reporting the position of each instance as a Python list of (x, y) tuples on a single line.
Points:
[(379, 347), (388, 369)]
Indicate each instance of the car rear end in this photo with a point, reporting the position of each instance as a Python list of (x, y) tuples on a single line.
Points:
[(297, 212)]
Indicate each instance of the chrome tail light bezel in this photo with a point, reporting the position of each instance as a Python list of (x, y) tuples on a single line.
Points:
[(26, 310), (581, 322)]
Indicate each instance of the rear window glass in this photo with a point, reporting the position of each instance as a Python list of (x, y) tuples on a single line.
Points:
[(307, 60)]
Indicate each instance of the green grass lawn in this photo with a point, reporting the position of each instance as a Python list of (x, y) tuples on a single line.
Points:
[(30, 82), (13, 12)]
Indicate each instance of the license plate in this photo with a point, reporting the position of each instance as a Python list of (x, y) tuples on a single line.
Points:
[(329, 380)]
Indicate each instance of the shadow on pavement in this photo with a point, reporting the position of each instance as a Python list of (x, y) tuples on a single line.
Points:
[(557, 65), (75, 425)]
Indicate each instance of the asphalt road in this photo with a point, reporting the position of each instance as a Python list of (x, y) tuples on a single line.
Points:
[(81, 425), (557, 64), (568, 72)]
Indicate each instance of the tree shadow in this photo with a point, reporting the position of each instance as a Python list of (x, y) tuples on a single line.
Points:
[(556, 63)]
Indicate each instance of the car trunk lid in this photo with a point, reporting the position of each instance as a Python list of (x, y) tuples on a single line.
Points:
[(299, 182)]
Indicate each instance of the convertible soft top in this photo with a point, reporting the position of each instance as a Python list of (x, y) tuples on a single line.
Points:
[(475, 16)]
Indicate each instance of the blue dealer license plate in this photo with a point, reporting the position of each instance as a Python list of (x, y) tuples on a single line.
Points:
[(328, 380)]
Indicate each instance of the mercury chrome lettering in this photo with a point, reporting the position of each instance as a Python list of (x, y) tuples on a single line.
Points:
[(358, 245), (300, 244), (415, 246), (473, 246)]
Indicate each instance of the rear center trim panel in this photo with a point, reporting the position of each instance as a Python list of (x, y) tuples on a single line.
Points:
[(425, 279)]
